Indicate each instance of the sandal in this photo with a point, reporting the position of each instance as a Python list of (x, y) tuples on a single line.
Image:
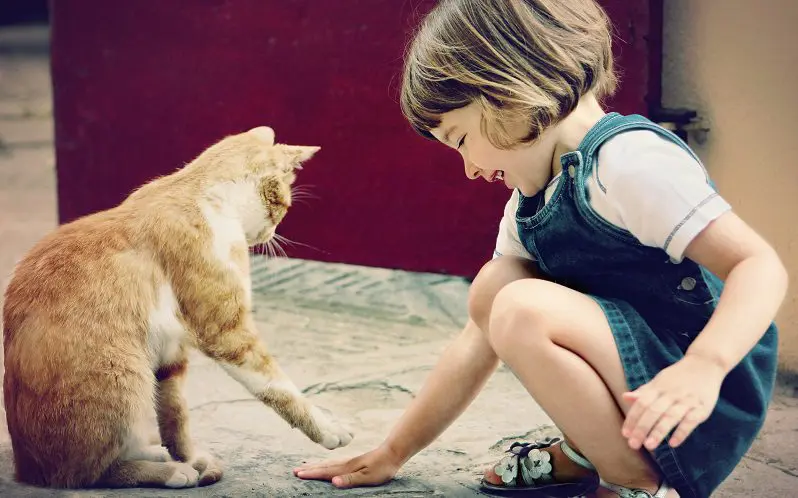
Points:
[(528, 469), (635, 493)]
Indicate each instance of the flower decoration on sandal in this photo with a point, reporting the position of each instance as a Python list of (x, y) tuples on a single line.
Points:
[(527, 458)]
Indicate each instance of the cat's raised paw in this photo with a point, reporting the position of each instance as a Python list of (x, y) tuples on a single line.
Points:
[(333, 433), (337, 437), (185, 476), (209, 468)]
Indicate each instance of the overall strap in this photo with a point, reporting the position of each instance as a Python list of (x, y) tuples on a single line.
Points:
[(613, 123)]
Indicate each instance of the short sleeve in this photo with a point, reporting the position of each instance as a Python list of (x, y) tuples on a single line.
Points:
[(660, 191), (508, 243)]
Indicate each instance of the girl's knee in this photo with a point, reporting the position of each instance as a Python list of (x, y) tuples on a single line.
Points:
[(519, 307), (492, 278)]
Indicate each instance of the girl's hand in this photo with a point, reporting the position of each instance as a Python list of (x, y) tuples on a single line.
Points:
[(369, 469), (682, 396)]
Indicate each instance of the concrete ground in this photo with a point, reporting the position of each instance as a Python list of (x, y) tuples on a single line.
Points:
[(358, 341)]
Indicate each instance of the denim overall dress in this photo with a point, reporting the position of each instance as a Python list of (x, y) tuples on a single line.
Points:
[(655, 308)]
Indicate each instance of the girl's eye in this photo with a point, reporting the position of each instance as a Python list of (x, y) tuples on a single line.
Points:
[(461, 142)]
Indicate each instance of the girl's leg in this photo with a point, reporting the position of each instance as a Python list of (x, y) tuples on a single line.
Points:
[(492, 278), (559, 344)]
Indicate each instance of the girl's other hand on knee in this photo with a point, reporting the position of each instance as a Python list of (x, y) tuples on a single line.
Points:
[(681, 396)]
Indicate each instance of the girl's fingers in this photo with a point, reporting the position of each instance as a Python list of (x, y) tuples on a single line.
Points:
[(355, 479), (648, 419), (325, 470), (645, 397), (688, 423), (666, 423)]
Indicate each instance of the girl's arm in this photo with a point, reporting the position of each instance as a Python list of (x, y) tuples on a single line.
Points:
[(755, 286), (457, 378), (684, 395)]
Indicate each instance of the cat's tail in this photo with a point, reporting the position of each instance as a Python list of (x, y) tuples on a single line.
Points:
[(26, 468)]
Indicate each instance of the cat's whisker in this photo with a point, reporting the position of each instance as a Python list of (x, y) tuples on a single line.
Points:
[(287, 241), (276, 239), (304, 186), (284, 240), (303, 191), (279, 248), (303, 200)]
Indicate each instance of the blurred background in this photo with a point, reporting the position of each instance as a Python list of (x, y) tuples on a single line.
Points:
[(98, 97)]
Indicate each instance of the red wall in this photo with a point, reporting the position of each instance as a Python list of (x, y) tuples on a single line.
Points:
[(141, 87)]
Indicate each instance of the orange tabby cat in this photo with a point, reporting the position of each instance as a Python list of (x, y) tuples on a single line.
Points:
[(100, 314)]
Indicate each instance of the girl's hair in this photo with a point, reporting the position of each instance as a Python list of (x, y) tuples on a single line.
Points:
[(517, 59)]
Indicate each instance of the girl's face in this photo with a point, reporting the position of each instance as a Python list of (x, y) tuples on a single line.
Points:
[(527, 168)]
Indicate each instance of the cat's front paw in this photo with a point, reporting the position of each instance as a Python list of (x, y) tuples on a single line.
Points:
[(333, 433), (209, 468)]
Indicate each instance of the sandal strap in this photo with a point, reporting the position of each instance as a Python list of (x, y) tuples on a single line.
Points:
[(624, 492), (576, 457)]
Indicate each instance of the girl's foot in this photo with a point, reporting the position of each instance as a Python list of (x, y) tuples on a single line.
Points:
[(563, 468), (550, 466)]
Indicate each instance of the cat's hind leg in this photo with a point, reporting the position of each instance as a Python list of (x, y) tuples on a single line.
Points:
[(173, 422), (137, 443), (144, 473), (141, 464)]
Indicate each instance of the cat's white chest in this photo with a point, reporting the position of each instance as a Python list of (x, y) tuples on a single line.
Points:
[(228, 230), (166, 334)]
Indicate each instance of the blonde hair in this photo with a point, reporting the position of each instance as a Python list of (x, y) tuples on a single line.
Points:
[(517, 59)]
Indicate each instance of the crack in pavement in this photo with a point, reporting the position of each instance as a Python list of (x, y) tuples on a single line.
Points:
[(224, 402), (769, 462), (335, 386)]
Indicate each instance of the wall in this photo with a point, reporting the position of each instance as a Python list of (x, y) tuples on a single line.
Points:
[(142, 87), (738, 65)]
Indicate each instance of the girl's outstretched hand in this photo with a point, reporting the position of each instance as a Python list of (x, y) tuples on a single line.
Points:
[(369, 469), (681, 396)]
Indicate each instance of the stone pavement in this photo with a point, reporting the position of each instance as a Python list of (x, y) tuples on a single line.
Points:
[(358, 341)]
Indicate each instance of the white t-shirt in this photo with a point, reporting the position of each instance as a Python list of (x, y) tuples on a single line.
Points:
[(642, 183)]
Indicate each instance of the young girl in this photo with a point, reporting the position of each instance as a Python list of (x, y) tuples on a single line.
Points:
[(632, 303)]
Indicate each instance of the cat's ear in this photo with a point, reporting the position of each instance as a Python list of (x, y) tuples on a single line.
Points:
[(264, 133), (301, 153)]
